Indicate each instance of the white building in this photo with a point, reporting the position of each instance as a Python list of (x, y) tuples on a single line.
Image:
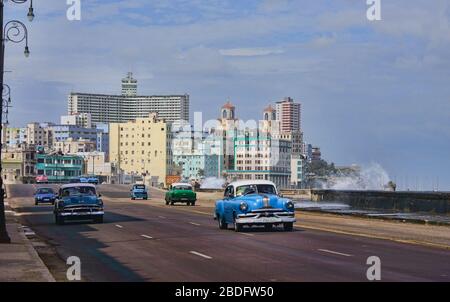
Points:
[(129, 85), (79, 119), (128, 106), (96, 164), (39, 134)]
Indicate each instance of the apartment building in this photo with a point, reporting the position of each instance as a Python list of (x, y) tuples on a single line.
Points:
[(142, 147), (83, 120), (289, 114), (72, 146), (39, 134), (261, 157), (105, 108)]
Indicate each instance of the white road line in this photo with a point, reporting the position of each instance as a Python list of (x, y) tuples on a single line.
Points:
[(6, 203), (193, 223), (200, 255), (119, 226), (247, 234), (162, 217), (146, 236), (335, 253)]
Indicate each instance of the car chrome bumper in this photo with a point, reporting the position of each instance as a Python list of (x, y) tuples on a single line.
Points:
[(276, 218), (78, 214)]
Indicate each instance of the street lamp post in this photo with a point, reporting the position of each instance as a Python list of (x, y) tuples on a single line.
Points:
[(6, 99), (16, 32)]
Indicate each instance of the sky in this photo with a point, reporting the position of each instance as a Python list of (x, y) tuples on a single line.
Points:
[(371, 91)]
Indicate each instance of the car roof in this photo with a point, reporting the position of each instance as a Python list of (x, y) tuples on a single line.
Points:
[(251, 182), (77, 185), (181, 184)]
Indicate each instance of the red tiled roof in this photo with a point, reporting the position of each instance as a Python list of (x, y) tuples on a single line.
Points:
[(228, 105)]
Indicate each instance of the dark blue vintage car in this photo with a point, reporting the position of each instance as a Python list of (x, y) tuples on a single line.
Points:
[(139, 192), (254, 203), (44, 195), (78, 202)]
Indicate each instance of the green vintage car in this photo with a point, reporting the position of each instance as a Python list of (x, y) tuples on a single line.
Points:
[(181, 192)]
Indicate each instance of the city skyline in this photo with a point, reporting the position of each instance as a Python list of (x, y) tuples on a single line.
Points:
[(386, 103)]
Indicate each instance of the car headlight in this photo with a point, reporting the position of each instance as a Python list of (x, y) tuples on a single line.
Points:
[(243, 207), (290, 205)]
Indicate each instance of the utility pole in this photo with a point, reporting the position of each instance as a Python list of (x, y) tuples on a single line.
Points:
[(16, 32)]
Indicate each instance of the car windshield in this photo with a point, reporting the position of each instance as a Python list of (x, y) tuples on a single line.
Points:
[(186, 188), (255, 189), (140, 187), (81, 190), (45, 191)]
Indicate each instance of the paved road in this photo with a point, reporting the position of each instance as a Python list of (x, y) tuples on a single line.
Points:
[(147, 241)]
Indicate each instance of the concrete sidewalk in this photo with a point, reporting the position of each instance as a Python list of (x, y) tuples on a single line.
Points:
[(19, 261)]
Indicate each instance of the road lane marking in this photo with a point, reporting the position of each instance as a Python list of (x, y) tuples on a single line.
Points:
[(6, 203), (200, 255), (162, 217), (146, 236), (193, 223), (119, 226), (335, 231), (247, 234), (335, 253)]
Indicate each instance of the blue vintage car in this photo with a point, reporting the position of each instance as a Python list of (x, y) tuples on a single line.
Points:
[(254, 203), (139, 192), (92, 180), (78, 202), (44, 195)]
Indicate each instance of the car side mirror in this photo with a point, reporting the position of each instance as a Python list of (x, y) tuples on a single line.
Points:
[(99, 195)]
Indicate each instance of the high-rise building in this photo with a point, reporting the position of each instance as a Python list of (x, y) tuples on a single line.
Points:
[(128, 106), (142, 147), (129, 85), (289, 114)]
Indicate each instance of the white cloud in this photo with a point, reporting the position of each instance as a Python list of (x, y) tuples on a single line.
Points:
[(250, 52)]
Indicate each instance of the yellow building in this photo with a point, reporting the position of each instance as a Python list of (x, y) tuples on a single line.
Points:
[(142, 147)]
